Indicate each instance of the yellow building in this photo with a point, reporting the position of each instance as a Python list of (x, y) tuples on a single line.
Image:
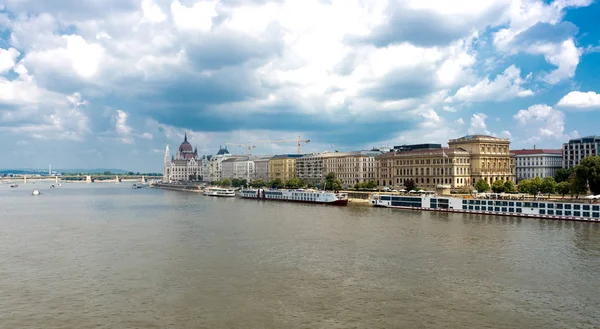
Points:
[(428, 168), (283, 166), (490, 157)]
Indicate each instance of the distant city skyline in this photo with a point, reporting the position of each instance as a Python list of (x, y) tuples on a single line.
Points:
[(108, 84)]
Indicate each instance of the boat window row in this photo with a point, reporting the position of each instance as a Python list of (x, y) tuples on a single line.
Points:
[(411, 203), (439, 203), (495, 208), (539, 205), (554, 212), (273, 193)]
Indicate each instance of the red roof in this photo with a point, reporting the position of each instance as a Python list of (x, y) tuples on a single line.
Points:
[(535, 151)]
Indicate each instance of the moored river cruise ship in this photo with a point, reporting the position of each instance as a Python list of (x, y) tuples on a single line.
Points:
[(299, 195), (589, 212)]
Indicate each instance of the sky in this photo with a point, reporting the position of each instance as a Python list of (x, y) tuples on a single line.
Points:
[(108, 83)]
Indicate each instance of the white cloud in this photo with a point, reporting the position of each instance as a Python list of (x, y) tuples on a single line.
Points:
[(580, 100), (541, 122), (448, 108), (506, 134), (565, 56), (147, 135), (460, 121), (507, 85), (525, 14), (478, 125), (152, 12), (76, 100), (8, 59), (121, 127), (198, 17)]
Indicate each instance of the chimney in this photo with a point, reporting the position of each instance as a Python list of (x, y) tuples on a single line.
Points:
[(534, 146)]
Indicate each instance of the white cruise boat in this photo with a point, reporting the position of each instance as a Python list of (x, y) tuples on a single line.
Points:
[(36, 192), (589, 212), (297, 195), (219, 192)]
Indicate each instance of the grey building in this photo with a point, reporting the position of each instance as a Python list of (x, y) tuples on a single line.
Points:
[(577, 149)]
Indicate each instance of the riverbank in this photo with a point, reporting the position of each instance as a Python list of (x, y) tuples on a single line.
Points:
[(178, 187)]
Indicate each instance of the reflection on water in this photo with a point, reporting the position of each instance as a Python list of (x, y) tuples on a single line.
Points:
[(106, 255)]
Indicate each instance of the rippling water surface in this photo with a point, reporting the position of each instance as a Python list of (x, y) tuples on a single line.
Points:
[(108, 256)]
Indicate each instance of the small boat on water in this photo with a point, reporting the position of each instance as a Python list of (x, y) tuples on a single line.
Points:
[(297, 195), (14, 185), (136, 185), (219, 192), (36, 192)]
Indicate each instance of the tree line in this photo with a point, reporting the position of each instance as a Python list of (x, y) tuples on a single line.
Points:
[(574, 181), (332, 182)]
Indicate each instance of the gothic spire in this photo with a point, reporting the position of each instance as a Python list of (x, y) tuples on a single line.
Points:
[(185, 136)]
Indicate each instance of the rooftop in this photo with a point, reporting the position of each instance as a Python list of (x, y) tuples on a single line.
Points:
[(535, 151), (288, 156), (429, 152), (479, 137)]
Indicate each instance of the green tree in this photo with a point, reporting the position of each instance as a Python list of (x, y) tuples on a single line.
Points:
[(548, 185), (482, 186), (577, 185), (536, 185), (236, 182), (563, 174), (498, 186), (130, 173), (107, 173), (410, 185), (258, 183), (509, 186), (371, 184), (563, 188), (243, 182), (588, 171), (226, 182), (524, 186), (332, 182), (294, 182), (276, 183), (359, 186)]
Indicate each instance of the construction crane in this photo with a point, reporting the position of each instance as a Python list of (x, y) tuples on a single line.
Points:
[(248, 146), (299, 141)]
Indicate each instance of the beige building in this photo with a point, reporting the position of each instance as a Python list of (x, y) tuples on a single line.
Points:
[(283, 166), (490, 157), (428, 168), (351, 167)]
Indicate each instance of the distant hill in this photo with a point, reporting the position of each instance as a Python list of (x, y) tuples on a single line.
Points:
[(67, 171)]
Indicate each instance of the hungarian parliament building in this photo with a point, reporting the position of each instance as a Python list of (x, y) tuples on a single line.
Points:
[(186, 165)]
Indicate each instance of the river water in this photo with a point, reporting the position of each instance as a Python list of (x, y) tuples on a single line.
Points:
[(107, 256)]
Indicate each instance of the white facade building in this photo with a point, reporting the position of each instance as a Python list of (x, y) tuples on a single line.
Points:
[(243, 168), (577, 149), (536, 163)]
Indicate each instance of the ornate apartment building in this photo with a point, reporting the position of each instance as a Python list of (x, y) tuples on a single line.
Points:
[(428, 168), (466, 160), (490, 157)]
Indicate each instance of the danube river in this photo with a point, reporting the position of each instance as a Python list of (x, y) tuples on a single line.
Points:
[(108, 256)]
